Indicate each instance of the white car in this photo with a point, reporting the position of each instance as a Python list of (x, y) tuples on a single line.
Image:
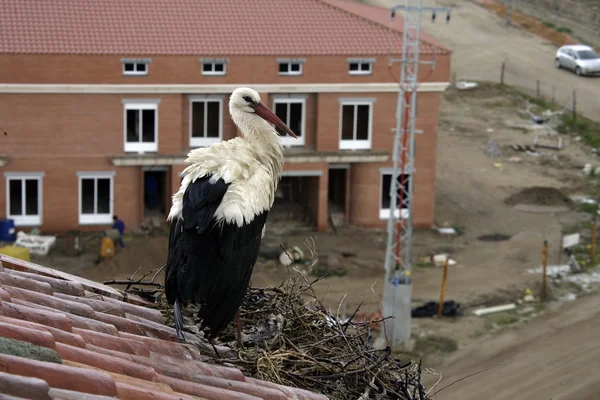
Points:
[(581, 59)]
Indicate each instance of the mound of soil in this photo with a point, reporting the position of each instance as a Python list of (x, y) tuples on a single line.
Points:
[(540, 196)]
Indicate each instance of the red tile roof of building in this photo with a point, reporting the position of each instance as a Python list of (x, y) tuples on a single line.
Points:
[(105, 346), (193, 27), (382, 16)]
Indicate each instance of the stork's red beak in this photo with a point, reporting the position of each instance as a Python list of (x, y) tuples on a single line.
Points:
[(265, 113)]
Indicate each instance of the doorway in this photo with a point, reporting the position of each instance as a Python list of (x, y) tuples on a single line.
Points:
[(337, 191), (155, 193)]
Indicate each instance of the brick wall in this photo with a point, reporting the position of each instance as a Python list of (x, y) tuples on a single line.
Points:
[(61, 134), (104, 69)]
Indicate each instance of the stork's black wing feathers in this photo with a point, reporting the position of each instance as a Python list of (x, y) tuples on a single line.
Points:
[(210, 264)]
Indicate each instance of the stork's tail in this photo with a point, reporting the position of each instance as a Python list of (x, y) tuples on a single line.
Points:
[(178, 320)]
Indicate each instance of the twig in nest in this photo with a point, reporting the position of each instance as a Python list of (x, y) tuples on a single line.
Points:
[(130, 282), (383, 356)]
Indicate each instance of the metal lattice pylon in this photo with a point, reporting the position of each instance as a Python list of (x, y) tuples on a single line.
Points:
[(398, 280)]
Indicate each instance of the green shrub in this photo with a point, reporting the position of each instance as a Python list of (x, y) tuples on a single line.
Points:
[(549, 24), (564, 29)]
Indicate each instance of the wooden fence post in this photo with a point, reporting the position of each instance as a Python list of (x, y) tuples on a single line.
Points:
[(502, 73), (443, 289), (574, 104), (544, 264), (593, 244)]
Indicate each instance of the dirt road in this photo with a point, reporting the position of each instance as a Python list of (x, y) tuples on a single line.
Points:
[(551, 357), (480, 41)]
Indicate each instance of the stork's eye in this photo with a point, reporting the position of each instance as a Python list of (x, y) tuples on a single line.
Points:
[(247, 98)]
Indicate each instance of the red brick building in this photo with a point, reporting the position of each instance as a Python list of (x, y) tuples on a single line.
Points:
[(98, 96)]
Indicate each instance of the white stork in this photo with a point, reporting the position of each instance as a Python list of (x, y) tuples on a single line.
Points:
[(219, 213)]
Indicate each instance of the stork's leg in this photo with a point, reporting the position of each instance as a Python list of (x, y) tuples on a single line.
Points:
[(214, 347), (239, 329), (178, 320)]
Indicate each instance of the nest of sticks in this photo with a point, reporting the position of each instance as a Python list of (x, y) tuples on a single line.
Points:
[(290, 340), (288, 337)]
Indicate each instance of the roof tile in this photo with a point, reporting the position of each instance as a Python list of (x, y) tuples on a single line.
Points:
[(106, 362), (58, 334), (131, 392), (4, 295), (33, 336), (191, 27), (29, 388), (132, 355), (60, 375), (180, 350), (113, 342), (58, 285), (143, 312), (19, 311), (67, 306), (76, 321), (96, 305), (21, 282), (210, 392), (262, 392), (62, 394)]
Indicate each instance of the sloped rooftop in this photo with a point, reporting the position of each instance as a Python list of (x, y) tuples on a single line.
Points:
[(192, 27), (68, 338)]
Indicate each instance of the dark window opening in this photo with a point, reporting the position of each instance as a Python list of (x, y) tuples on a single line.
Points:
[(284, 68), (154, 193), (362, 122), (347, 122), (15, 188), (355, 126), (386, 182), (143, 130), (88, 194), (291, 115), (31, 197), (148, 124), (95, 195), (205, 119)]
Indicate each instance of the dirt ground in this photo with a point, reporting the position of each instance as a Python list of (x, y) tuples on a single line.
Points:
[(480, 42), (551, 357)]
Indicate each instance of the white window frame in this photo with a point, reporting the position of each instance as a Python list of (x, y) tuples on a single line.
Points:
[(97, 219), (25, 220), (140, 104), (204, 141), (213, 72), (384, 213), (289, 62), (136, 63), (288, 140), (354, 144), (360, 62)]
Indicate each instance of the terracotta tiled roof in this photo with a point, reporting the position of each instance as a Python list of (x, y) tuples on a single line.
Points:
[(191, 27), (64, 337), (381, 16)]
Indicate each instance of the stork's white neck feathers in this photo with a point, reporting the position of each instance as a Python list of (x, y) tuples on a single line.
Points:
[(251, 163)]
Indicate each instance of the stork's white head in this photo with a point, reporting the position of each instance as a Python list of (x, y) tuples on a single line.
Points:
[(246, 107)]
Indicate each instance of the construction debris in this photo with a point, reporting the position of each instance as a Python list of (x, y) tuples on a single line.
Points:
[(492, 149), (492, 310), (465, 85), (36, 244), (556, 144)]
